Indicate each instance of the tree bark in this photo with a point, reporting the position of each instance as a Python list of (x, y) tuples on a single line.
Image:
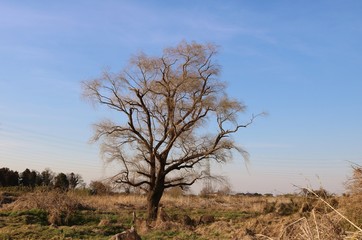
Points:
[(153, 200)]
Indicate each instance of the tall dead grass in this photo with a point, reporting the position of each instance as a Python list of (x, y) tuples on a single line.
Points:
[(113, 203), (58, 205), (278, 218), (324, 224)]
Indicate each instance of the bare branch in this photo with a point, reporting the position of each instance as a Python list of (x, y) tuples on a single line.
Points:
[(164, 104)]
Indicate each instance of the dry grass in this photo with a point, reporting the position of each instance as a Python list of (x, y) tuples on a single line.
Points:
[(282, 217), (58, 205), (112, 202), (236, 217), (351, 207)]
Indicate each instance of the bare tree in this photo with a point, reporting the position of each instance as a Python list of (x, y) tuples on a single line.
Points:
[(175, 116), (354, 183), (74, 180)]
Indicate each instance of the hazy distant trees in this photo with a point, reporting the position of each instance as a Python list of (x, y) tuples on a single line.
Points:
[(47, 178), (174, 117)]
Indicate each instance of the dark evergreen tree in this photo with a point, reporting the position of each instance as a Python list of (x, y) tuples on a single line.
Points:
[(33, 178), (25, 178), (13, 179), (47, 177), (8, 177), (61, 182)]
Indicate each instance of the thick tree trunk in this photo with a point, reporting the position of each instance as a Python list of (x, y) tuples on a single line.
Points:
[(153, 200)]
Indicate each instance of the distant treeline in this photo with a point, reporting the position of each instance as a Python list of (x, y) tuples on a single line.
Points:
[(46, 178)]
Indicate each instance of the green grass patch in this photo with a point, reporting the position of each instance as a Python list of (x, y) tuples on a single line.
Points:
[(171, 234), (32, 216)]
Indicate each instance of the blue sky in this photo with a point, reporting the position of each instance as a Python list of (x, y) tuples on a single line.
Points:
[(297, 60)]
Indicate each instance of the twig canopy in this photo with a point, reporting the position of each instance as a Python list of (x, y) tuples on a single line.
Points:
[(166, 103)]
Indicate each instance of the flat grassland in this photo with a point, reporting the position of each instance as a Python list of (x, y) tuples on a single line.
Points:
[(42, 214)]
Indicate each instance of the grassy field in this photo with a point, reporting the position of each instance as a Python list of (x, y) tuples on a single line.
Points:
[(44, 214)]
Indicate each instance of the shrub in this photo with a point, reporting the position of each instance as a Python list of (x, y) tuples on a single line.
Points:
[(175, 192), (100, 188)]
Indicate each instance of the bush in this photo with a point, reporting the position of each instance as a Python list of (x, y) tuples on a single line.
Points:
[(175, 192), (100, 188)]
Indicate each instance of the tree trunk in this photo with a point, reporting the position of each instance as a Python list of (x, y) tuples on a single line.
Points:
[(153, 200)]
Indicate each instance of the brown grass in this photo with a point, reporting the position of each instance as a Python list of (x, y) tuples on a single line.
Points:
[(59, 206), (236, 217), (112, 202), (351, 207)]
